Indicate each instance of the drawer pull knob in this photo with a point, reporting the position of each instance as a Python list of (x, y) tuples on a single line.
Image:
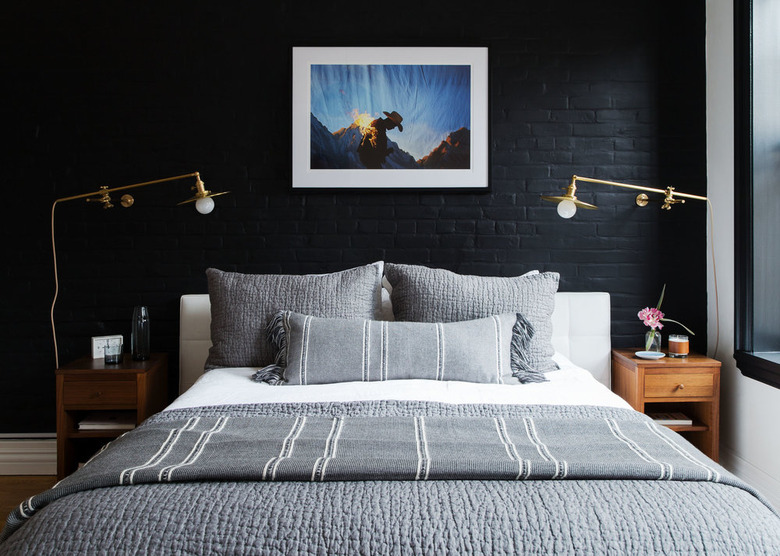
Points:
[(681, 387)]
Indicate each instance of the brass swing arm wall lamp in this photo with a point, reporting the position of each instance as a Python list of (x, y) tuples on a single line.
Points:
[(202, 198), (204, 204), (568, 203)]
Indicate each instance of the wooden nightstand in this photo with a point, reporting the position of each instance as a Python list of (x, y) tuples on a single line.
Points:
[(689, 385), (88, 389)]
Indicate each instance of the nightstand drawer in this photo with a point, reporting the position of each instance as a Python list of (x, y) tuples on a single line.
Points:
[(682, 385), (100, 393)]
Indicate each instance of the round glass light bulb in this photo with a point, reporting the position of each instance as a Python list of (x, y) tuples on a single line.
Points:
[(566, 208), (204, 205)]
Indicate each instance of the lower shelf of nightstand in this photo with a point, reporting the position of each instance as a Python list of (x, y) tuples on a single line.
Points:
[(696, 427), (687, 408), (103, 433), (82, 448)]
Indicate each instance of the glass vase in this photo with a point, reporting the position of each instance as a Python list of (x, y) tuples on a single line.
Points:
[(139, 335), (653, 340)]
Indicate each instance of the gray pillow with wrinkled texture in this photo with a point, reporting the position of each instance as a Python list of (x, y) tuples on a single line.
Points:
[(312, 350), (422, 294), (242, 305)]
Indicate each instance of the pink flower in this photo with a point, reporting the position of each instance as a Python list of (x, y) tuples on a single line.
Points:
[(651, 317)]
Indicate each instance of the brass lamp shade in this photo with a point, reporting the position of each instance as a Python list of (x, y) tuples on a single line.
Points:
[(559, 198)]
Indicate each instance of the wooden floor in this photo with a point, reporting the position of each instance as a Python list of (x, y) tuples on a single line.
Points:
[(15, 488)]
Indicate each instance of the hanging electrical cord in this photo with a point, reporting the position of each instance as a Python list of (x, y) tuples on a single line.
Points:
[(714, 280)]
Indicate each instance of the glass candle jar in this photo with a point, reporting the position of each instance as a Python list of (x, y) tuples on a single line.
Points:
[(112, 351), (678, 345)]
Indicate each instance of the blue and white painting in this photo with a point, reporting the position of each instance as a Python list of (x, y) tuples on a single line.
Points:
[(390, 116)]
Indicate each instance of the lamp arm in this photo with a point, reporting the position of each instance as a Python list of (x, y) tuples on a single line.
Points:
[(198, 183), (667, 191), (689, 196)]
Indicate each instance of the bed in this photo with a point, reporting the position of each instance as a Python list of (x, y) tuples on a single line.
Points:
[(396, 463)]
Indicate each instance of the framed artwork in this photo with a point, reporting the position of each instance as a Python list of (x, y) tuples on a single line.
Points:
[(395, 117)]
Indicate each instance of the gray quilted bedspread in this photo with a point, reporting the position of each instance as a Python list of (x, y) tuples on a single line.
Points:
[(397, 478)]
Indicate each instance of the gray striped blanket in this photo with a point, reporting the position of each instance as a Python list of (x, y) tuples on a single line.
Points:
[(387, 440)]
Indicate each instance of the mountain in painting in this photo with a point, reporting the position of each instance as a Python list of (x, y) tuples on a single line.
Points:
[(338, 150), (454, 153)]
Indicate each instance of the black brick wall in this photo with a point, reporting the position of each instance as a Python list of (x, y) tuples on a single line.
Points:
[(112, 93)]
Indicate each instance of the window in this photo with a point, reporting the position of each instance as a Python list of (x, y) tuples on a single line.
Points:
[(757, 189)]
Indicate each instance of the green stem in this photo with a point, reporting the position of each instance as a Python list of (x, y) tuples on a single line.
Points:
[(649, 341), (681, 324)]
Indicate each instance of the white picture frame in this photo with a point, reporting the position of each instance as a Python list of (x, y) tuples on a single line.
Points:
[(436, 87)]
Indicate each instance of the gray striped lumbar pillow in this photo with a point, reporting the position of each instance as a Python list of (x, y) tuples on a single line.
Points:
[(313, 350)]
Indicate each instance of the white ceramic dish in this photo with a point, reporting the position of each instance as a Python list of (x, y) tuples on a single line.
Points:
[(650, 354)]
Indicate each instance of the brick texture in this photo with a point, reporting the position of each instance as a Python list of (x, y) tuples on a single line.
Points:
[(112, 94)]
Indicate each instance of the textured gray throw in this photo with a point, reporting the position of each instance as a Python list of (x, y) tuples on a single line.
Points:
[(402, 441)]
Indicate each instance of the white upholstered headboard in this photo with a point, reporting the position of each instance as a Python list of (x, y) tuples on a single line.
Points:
[(581, 332)]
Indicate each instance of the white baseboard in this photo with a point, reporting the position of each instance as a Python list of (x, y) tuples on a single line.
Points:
[(35, 456), (764, 483)]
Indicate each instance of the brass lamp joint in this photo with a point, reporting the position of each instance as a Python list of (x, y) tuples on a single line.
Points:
[(572, 189), (200, 188), (103, 197), (669, 199)]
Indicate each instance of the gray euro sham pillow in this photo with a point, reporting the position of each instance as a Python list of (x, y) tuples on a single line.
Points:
[(313, 350), (243, 304), (422, 294)]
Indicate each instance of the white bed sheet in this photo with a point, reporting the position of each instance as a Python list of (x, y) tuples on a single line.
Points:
[(570, 385)]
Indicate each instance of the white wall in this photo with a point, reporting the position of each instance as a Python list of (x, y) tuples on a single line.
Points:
[(750, 410)]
